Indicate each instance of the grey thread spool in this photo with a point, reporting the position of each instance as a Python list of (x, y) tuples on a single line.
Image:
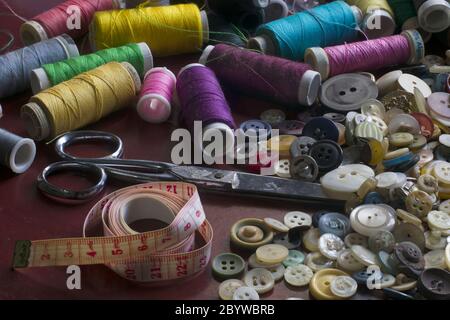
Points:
[(16, 66), (16, 153)]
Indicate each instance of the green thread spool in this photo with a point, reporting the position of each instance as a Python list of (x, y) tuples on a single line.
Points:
[(138, 55), (403, 10)]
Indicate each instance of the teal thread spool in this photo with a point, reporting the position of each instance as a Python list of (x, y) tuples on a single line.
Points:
[(329, 24), (139, 55)]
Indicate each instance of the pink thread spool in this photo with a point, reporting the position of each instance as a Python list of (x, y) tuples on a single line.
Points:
[(155, 99)]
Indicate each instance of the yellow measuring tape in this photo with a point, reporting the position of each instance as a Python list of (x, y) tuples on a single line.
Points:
[(153, 256)]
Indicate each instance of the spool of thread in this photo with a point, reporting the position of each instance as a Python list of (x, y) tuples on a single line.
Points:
[(155, 99), (369, 55), (83, 100), (378, 18), (222, 31), (325, 25), (168, 30), (16, 66), (247, 14), (276, 9), (151, 3), (139, 55), (59, 20), (280, 80), (202, 99), (16, 153), (403, 11), (433, 15)]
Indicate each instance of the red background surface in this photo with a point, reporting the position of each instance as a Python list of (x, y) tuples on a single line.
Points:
[(26, 214)]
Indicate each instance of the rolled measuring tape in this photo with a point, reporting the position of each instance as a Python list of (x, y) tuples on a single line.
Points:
[(156, 256)]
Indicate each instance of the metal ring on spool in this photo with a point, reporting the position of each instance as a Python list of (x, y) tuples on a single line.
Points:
[(76, 136), (66, 195), (268, 233)]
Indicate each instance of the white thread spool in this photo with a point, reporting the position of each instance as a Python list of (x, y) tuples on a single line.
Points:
[(433, 15), (16, 153)]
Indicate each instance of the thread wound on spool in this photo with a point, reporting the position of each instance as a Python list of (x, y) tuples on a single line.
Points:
[(16, 153), (403, 10), (82, 100), (321, 26), (277, 79), (167, 30)]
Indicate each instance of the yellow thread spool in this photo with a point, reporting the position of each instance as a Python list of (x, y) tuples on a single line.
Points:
[(80, 101), (168, 30)]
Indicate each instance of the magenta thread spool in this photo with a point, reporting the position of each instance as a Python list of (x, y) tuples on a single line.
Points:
[(283, 81), (155, 99), (202, 99), (370, 55)]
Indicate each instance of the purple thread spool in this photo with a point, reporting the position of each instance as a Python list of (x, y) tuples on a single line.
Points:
[(283, 81), (202, 99)]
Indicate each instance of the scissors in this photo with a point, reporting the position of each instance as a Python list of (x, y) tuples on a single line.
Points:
[(140, 171)]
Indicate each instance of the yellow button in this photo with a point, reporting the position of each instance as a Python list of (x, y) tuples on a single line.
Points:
[(272, 253), (282, 144), (401, 139), (376, 151), (319, 287), (250, 234)]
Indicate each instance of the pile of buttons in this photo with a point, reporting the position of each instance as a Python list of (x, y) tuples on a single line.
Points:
[(382, 146)]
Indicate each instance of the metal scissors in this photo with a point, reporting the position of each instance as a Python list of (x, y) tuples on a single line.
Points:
[(139, 171)]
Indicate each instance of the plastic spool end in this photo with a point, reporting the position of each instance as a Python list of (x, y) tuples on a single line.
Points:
[(191, 65), (134, 74), (308, 89), (22, 155), (261, 43), (358, 14), (277, 9), (205, 26), (413, 23), (148, 57), (39, 80), (35, 120), (434, 15), (227, 134), (416, 44), (32, 32), (378, 23), (206, 52), (318, 59), (69, 45), (261, 3)]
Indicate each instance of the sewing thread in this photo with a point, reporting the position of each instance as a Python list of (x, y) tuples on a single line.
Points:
[(403, 10)]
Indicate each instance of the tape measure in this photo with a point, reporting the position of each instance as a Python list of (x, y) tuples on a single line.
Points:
[(153, 256)]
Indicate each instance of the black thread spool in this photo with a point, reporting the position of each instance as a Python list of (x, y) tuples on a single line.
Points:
[(247, 14), (222, 31)]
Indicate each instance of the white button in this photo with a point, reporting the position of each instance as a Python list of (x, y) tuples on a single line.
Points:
[(356, 238), (346, 179), (445, 206), (408, 82), (373, 107), (434, 240), (277, 272), (297, 218), (363, 255), (259, 279), (272, 253), (387, 281), (311, 239), (386, 180), (245, 293), (368, 219), (445, 139), (276, 225), (343, 286), (404, 123), (282, 168), (347, 262), (438, 220), (330, 245), (447, 256), (299, 275), (316, 261), (435, 259), (380, 124), (228, 287), (442, 172)]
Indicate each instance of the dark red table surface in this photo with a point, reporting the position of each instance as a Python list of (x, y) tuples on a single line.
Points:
[(26, 214)]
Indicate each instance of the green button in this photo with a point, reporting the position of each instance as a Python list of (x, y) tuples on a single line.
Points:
[(228, 266), (294, 258)]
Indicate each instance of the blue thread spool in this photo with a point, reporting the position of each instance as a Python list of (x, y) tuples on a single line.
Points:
[(322, 26)]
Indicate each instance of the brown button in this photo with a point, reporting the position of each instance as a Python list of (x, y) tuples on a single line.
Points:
[(410, 258), (434, 284), (410, 232)]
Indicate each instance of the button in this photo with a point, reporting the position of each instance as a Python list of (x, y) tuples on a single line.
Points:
[(296, 233), (320, 285), (343, 286), (228, 287), (268, 233), (250, 234), (282, 144), (396, 153), (227, 266), (301, 146), (386, 180), (321, 128), (445, 206), (445, 139), (388, 81), (297, 218), (363, 255), (404, 123), (386, 263), (245, 293), (311, 239), (369, 185), (346, 179), (438, 220), (435, 284), (405, 216), (304, 168), (363, 277), (398, 102), (282, 168), (401, 139), (368, 219), (373, 151), (418, 142), (272, 253), (397, 295), (277, 272), (273, 116), (418, 203), (442, 172), (410, 257), (352, 154), (373, 107), (382, 241), (425, 123), (316, 217), (336, 117), (284, 240), (316, 261), (259, 279), (427, 183), (276, 225), (380, 124), (295, 257), (435, 259), (387, 281), (346, 92), (334, 223), (290, 127), (439, 103), (347, 262), (426, 156), (434, 240), (405, 158), (368, 129), (442, 153), (256, 128), (356, 239), (410, 232), (447, 256), (298, 275), (405, 166), (253, 262), (408, 82), (330, 245)]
